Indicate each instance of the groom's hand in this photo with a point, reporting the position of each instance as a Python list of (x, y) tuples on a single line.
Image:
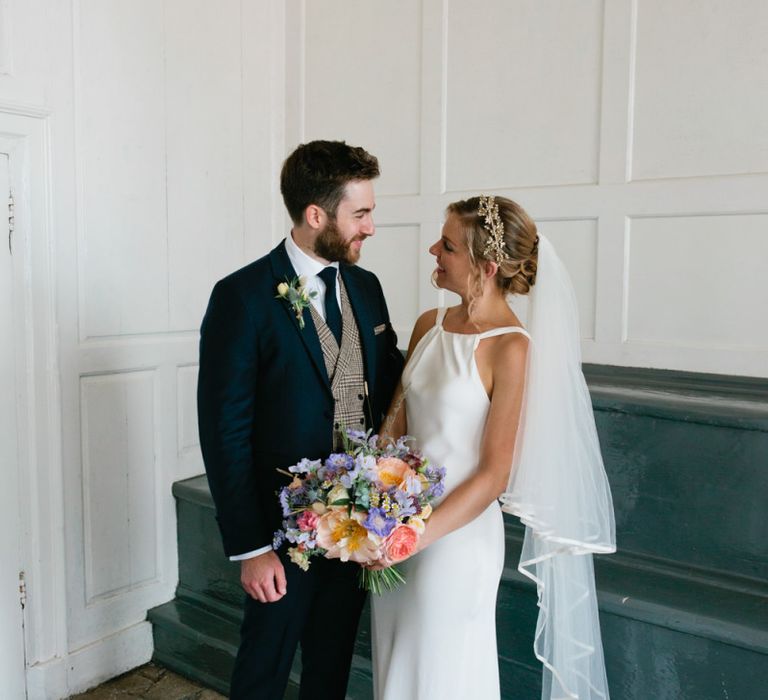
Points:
[(263, 577)]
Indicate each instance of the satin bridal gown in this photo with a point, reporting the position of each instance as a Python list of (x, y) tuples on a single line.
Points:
[(435, 637)]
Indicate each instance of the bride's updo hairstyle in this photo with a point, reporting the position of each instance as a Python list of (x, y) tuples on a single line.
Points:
[(499, 230)]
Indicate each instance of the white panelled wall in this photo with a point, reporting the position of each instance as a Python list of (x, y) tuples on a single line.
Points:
[(632, 130), (144, 142)]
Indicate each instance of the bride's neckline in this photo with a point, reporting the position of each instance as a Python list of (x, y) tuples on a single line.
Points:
[(441, 326)]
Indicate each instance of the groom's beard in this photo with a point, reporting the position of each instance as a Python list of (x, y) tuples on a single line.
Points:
[(332, 247)]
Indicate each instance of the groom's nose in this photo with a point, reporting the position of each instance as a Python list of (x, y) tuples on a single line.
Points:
[(367, 226)]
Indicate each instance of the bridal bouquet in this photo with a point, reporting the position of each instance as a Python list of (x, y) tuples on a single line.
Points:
[(366, 504)]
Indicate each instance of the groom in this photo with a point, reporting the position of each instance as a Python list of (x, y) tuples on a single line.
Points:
[(277, 382)]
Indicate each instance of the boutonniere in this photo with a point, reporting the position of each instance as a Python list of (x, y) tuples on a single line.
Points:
[(295, 293)]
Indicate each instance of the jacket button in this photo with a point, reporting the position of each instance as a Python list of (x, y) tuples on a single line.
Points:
[(362, 421), (360, 397), (336, 425)]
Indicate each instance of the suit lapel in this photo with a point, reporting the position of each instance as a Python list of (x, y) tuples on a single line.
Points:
[(283, 270), (356, 296)]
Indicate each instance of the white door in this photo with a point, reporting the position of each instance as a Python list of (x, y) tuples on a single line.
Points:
[(12, 675)]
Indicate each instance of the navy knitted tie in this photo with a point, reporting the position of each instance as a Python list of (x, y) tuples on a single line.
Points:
[(332, 312)]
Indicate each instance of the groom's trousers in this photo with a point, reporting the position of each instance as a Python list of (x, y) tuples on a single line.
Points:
[(319, 611)]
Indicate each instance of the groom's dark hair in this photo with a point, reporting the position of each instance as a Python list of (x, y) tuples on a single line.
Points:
[(317, 173)]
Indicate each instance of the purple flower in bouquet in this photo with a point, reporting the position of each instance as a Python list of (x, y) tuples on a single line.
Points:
[(365, 465), (402, 443), (379, 522), (284, 497), (336, 464), (358, 437), (413, 485), (296, 536), (305, 466), (407, 505), (436, 477), (293, 498)]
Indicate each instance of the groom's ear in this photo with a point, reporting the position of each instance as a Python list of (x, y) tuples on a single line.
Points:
[(315, 217)]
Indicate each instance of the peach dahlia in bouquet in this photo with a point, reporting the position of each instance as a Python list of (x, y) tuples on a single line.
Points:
[(366, 504)]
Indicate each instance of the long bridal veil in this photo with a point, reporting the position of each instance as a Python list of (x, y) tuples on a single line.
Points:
[(559, 490)]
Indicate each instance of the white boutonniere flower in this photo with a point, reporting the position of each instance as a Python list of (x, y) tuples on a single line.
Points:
[(294, 292)]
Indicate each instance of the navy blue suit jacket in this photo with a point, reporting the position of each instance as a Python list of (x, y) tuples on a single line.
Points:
[(264, 397)]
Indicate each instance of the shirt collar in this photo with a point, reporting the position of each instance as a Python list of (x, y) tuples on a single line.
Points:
[(304, 265)]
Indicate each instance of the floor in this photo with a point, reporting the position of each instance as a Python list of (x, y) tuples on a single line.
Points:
[(150, 682)]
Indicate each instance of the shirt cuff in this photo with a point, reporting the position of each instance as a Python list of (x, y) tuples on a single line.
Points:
[(251, 555)]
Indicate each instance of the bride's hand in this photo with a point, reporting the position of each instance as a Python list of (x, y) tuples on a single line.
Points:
[(383, 441), (376, 566)]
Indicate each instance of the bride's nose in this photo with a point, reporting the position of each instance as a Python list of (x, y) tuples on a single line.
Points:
[(434, 248)]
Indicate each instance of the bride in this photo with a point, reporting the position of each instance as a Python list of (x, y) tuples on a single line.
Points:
[(507, 412)]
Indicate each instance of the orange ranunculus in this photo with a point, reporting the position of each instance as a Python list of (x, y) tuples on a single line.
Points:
[(345, 538), (393, 472), (401, 543)]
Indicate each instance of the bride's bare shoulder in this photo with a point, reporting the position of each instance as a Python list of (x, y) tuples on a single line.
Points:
[(423, 324), (426, 320)]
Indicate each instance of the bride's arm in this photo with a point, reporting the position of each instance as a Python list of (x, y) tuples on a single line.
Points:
[(489, 481), (395, 424)]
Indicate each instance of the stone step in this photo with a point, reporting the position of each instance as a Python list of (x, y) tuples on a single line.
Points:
[(711, 635), (684, 603), (201, 644), (195, 642)]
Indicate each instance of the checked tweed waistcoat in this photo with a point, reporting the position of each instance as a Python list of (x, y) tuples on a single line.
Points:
[(345, 368)]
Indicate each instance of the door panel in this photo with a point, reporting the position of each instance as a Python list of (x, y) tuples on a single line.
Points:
[(12, 681)]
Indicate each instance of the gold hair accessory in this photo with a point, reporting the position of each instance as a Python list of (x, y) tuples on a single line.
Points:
[(489, 210)]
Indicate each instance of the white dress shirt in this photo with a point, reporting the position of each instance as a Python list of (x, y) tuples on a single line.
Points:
[(309, 268)]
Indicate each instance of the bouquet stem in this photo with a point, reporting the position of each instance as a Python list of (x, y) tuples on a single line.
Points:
[(381, 580)]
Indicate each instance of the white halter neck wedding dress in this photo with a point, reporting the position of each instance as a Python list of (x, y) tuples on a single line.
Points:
[(435, 637)]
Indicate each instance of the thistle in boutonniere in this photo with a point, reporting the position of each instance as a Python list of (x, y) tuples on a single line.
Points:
[(295, 293)]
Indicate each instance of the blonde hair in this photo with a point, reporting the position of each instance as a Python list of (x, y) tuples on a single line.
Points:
[(517, 271)]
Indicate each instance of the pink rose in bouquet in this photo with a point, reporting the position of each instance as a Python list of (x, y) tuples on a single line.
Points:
[(307, 520), (401, 543)]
